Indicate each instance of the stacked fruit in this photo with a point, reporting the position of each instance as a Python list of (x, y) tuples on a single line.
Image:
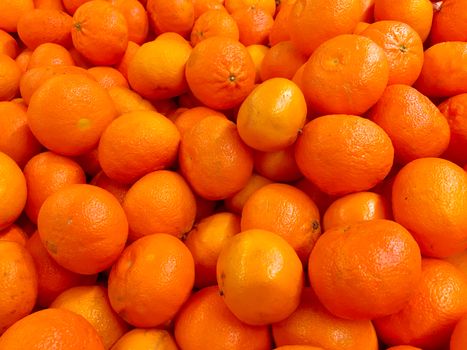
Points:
[(233, 174)]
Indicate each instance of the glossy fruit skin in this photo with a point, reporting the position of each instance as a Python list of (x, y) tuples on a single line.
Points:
[(455, 111), (251, 291), (312, 324), (370, 287), (437, 304), (449, 22), (344, 153), (443, 73), (144, 338), (420, 194)]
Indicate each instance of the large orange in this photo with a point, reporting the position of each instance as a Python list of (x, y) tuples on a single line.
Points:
[(214, 23), (443, 72), (346, 74), (254, 25), (411, 120), (256, 269), (11, 11), (437, 304), (214, 159), (272, 115), (13, 191), (53, 279), (157, 69), (205, 322), (171, 15), (83, 227), (45, 174), (136, 19), (68, 113), (137, 143), (313, 22), (287, 211), (51, 329), (368, 286), (312, 324), (93, 304), (220, 72), (17, 140), (344, 153), (151, 280), (160, 202), (449, 21), (429, 198), (18, 293)]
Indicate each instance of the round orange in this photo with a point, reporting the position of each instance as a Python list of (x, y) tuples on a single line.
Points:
[(108, 77), (144, 339), (214, 23), (50, 54), (175, 16), (279, 166), (282, 60), (14, 233), (11, 75)]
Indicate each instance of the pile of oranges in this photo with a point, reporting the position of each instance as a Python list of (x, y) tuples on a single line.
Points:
[(233, 175)]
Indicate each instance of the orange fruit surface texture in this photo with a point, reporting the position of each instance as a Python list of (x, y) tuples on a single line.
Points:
[(233, 175)]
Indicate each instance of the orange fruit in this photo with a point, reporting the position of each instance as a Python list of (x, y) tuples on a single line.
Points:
[(443, 72), (50, 54), (136, 144), (42, 26), (321, 199), (11, 75), (278, 166), (416, 13), (32, 79), (205, 242), (19, 292), (369, 286), (171, 16), (51, 328), (11, 11), (459, 335), (459, 260), (87, 217), (403, 48), (268, 5), (13, 191), (220, 72), (449, 18), (282, 60), (53, 279), (437, 304), (157, 69), (355, 207), (214, 23), (73, 124), (360, 27), (45, 174), (100, 32), (72, 5), (255, 269), (126, 100), (130, 52), (136, 18), (160, 202), (403, 347), (343, 153), (298, 347), (89, 162), (14, 233), (8, 44), (49, 4), (411, 119), (313, 22), (272, 115), (286, 211), (144, 339), (455, 111), (420, 194), (108, 77), (189, 118), (346, 74), (149, 302), (92, 303), (312, 324), (205, 322), (257, 53), (202, 6), (236, 202), (213, 158), (280, 29), (254, 25), (116, 188), (17, 140)]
